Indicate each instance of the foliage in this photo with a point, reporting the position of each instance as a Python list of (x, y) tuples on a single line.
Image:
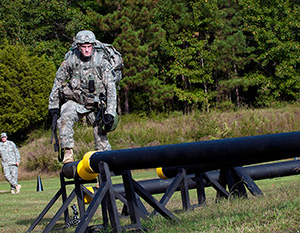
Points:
[(179, 55), (25, 84), (47, 26), (233, 53), (137, 37), (274, 27), (190, 57)]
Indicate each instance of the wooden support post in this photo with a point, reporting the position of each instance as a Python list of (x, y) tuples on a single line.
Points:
[(235, 185), (110, 198), (45, 210), (152, 201)]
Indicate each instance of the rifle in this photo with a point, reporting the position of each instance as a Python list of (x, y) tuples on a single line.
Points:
[(101, 108), (54, 134), (111, 123)]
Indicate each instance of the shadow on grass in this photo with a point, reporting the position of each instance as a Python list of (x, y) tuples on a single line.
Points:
[(4, 191), (58, 227)]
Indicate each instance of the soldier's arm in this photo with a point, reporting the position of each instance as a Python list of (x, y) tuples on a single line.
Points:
[(62, 74), (17, 154), (110, 86)]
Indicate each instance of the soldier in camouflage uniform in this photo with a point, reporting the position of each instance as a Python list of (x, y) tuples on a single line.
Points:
[(10, 159), (84, 78)]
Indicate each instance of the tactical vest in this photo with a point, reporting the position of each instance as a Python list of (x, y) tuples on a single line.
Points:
[(85, 85)]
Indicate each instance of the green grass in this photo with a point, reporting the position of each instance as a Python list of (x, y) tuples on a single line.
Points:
[(277, 211), (18, 211)]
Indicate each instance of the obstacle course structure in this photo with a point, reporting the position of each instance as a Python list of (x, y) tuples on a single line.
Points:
[(227, 156)]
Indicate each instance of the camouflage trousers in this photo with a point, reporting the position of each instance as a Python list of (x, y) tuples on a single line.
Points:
[(72, 112), (11, 175)]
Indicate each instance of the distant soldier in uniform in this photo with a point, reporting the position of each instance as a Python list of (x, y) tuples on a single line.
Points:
[(10, 159), (84, 79)]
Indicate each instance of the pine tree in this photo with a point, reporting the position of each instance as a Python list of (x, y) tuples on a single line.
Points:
[(274, 27), (232, 52), (135, 35)]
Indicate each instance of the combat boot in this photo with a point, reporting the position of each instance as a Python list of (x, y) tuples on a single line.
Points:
[(68, 156)]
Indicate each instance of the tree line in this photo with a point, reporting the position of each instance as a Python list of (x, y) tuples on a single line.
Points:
[(178, 54)]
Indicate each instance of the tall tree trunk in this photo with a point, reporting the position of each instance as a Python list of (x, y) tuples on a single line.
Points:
[(126, 102), (205, 88), (186, 103), (237, 89)]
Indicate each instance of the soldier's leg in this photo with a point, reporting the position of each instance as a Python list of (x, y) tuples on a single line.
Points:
[(14, 173), (68, 117), (7, 170), (101, 141)]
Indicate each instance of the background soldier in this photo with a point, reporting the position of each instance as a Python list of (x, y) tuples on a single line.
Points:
[(84, 81), (10, 159)]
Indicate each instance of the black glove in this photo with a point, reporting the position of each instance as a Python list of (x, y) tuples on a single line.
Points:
[(53, 112), (108, 121)]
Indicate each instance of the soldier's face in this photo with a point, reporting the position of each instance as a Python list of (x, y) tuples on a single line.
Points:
[(86, 49), (4, 139)]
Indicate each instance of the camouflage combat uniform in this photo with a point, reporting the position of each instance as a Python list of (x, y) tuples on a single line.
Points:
[(72, 84), (9, 157)]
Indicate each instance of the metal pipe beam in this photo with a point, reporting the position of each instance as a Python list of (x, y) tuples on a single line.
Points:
[(257, 172), (210, 155), (263, 171)]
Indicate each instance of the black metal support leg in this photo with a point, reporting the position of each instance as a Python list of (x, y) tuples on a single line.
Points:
[(248, 181), (60, 212), (184, 189), (80, 195), (105, 192), (64, 196), (221, 190), (42, 214), (200, 188), (152, 201), (131, 199)]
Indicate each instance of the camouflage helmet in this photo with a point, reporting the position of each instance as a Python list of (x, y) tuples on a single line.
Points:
[(85, 37)]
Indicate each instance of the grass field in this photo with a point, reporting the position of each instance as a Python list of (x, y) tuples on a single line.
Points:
[(277, 211)]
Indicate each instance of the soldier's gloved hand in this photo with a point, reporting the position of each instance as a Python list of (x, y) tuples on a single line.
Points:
[(53, 112), (108, 121)]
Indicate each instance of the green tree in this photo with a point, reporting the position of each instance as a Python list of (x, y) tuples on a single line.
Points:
[(274, 27), (187, 52), (232, 52), (25, 84), (129, 27), (48, 27), (174, 17)]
